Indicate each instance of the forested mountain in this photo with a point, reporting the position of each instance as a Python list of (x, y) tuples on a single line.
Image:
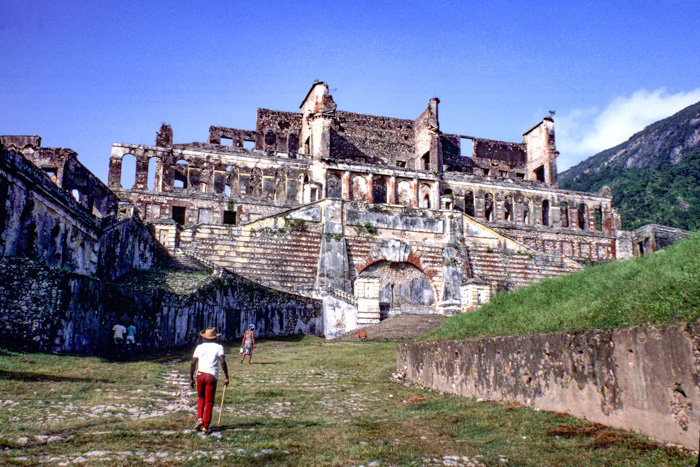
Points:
[(654, 176)]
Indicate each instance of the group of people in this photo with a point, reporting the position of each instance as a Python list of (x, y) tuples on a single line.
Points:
[(120, 331), (205, 362)]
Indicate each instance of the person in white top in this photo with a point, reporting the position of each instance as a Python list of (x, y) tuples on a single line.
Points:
[(119, 332), (206, 360)]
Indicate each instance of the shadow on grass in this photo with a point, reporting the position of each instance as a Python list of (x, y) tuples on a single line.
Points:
[(237, 426), (29, 376)]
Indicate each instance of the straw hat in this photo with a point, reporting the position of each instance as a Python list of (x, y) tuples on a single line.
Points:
[(209, 333)]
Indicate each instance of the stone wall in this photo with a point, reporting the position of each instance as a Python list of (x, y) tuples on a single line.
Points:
[(38, 219), (44, 309), (642, 379)]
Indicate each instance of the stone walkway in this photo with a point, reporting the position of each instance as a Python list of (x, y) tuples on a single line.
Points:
[(322, 385), (403, 326)]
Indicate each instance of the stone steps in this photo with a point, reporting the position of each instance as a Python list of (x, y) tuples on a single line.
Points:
[(289, 260), (398, 327)]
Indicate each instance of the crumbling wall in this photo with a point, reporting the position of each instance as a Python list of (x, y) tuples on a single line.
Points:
[(40, 220), (47, 309), (372, 139), (642, 379), (129, 245)]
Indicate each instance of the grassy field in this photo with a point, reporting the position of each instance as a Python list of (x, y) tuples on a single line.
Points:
[(303, 401), (660, 288)]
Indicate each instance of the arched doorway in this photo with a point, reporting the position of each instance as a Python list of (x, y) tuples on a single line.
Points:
[(403, 288)]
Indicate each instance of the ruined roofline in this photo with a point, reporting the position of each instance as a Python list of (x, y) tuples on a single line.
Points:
[(521, 185), (383, 117), (406, 121), (213, 149), (487, 140), (538, 124), (21, 141), (316, 83)]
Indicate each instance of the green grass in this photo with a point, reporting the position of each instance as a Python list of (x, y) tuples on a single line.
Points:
[(303, 401), (661, 288)]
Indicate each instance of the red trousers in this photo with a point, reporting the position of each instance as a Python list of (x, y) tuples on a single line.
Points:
[(206, 388)]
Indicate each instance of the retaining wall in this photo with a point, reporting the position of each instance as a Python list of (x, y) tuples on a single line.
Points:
[(644, 379), (48, 309)]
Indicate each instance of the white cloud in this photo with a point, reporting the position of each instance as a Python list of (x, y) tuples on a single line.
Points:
[(582, 133)]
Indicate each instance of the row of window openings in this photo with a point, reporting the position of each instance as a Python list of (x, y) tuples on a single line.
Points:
[(203, 216), (180, 179), (509, 215)]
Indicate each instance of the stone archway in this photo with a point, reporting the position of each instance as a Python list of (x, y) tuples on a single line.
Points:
[(403, 288)]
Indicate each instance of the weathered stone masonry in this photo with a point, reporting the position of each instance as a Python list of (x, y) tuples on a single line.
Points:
[(642, 379), (48, 309)]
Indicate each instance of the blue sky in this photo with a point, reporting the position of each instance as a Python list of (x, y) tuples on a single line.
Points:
[(87, 74)]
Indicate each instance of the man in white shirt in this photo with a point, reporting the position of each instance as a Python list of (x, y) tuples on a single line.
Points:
[(119, 332), (206, 360)]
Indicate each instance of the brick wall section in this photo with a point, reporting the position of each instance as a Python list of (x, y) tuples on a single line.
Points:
[(642, 379)]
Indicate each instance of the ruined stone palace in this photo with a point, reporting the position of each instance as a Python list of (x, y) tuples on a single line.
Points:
[(386, 215)]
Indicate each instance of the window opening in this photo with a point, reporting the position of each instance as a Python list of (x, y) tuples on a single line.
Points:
[(508, 209), (582, 216), (51, 172), (179, 214), (181, 170), (564, 214), (230, 217), (466, 147), (426, 161), (598, 218), (128, 179), (226, 141), (469, 203), (293, 143), (488, 207), (379, 194), (539, 173), (256, 183), (401, 164), (545, 212), (249, 145), (526, 212), (280, 186), (270, 139), (151, 180), (333, 186)]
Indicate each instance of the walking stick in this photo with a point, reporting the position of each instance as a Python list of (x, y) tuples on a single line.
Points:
[(223, 394)]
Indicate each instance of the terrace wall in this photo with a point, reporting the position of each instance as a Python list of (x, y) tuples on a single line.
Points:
[(642, 378)]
